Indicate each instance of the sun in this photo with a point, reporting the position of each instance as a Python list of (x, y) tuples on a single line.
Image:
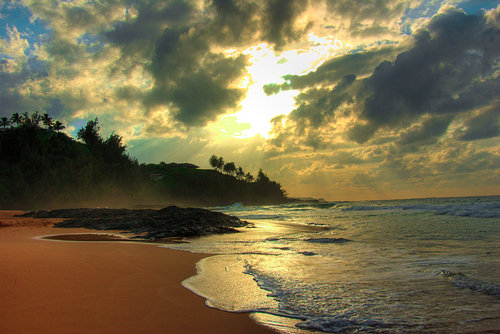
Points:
[(266, 67)]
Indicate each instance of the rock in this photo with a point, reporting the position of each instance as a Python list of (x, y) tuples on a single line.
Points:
[(147, 223)]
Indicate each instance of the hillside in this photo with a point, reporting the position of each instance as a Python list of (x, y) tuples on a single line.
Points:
[(41, 167)]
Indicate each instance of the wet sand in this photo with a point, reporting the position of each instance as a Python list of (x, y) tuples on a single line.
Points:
[(49, 286)]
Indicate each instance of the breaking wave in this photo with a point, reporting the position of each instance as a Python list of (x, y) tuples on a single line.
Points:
[(463, 281)]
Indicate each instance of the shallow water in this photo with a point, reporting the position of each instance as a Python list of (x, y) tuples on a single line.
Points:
[(426, 265)]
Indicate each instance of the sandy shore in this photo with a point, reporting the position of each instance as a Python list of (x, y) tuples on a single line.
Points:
[(99, 287)]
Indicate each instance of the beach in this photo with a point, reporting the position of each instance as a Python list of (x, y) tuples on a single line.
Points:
[(49, 286)]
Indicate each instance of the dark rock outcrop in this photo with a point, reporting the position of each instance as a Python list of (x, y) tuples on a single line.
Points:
[(147, 224)]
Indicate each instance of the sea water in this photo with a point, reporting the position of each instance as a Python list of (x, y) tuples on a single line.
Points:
[(399, 266)]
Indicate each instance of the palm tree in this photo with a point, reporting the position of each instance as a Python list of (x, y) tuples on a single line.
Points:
[(25, 119), (58, 126), (36, 118), (4, 121), (47, 121), (15, 119)]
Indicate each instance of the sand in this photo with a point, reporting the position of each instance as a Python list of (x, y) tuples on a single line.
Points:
[(49, 286)]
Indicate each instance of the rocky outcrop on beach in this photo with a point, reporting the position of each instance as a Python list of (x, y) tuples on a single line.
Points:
[(147, 224)]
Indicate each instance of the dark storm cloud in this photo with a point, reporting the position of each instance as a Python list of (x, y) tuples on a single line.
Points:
[(193, 81), (427, 132), (151, 17), (484, 125), (191, 78), (278, 21), (449, 70)]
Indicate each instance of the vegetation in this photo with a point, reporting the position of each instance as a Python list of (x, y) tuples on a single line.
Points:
[(41, 167)]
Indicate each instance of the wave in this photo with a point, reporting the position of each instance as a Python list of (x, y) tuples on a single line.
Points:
[(463, 281), (476, 210), (347, 322)]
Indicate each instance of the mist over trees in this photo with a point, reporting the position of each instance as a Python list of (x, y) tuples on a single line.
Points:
[(42, 167)]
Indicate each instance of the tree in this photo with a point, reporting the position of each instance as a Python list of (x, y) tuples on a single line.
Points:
[(262, 177), (90, 134), (240, 174), (47, 121), (229, 168), (58, 126), (214, 161), (15, 119), (249, 177), (4, 121), (220, 164), (36, 118), (25, 119), (115, 145)]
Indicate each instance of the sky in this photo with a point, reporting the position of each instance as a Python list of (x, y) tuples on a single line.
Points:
[(334, 99)]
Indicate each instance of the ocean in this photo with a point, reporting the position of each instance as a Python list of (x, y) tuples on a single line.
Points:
[(397, 266)]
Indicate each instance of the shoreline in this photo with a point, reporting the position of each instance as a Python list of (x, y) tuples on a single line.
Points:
[(100, 287)]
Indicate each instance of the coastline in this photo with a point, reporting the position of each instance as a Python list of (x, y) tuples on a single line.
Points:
[(49, 286)]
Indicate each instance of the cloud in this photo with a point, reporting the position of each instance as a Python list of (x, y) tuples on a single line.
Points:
[(450, 68), (316, 120), (333, 70), (17, 69), (193, 79), (427, 132), (279, 21), (483, 126)]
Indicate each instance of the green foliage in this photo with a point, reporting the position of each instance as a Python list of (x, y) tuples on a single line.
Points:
[(44, 167), (41, 167)]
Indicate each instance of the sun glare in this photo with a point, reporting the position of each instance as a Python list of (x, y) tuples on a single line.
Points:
[(266, 67)]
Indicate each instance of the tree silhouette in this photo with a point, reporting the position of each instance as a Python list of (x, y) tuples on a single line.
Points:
[(214, 161), (220, 163), (229, 168), (90, 134), (36, 118), (57, 126), (240, 174), (217, 162), (4, 121), (262, 177), (15, 119), (249, 177), (47, 121)]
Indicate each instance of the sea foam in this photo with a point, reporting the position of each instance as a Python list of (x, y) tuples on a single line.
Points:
[(463, 281)]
